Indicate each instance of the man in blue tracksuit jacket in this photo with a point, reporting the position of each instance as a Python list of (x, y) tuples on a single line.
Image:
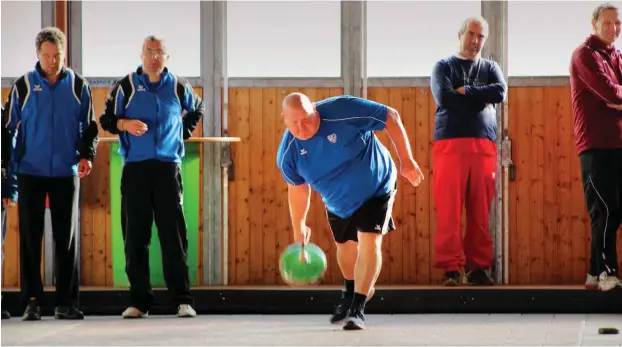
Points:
[(50, 127), (146, 108)]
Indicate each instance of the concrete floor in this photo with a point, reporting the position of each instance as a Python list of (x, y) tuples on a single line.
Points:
[(257, 330)]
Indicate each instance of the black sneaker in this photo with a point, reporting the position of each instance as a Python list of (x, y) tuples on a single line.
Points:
[(33, 311), (479, 277), (68, 312), (355, 320), (340, 313), (452, 278), (6, 314)]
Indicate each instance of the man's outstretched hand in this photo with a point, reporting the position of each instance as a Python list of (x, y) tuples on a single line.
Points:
[(412, 172)]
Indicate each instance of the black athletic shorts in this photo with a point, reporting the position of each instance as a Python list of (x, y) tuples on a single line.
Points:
[(374, 216)]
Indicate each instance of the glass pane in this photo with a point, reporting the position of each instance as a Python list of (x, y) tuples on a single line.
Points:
[(406, 38), (265, 40), (113, 34), (22, 19), (541, 44)]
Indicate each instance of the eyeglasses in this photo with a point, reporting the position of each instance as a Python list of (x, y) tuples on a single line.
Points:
[(157, 53)]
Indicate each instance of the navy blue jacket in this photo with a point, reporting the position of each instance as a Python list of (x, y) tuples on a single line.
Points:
[(9, 179), (160, 106), (460, 116), (9, 185), (49, 128)]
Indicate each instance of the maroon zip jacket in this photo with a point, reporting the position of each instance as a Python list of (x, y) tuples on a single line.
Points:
[(595, 78)]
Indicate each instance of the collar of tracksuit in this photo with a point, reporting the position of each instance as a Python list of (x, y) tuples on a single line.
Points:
[(40, 72), (145, 79), (598, 45)]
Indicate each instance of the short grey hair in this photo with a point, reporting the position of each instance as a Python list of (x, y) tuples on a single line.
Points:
[(598, 11), (477, 19), (154, 38), (53, 35)]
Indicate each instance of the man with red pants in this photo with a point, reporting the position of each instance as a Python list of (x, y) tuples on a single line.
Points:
[(465, 88)]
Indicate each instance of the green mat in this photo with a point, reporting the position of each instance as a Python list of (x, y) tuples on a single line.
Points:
[(190, 179)]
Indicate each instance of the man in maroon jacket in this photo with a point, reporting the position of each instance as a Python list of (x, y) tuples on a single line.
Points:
[(595, 78)]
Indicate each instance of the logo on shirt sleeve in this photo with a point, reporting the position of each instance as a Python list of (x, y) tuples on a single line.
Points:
[(332, 138)]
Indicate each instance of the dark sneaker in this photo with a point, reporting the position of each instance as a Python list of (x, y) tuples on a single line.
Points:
[(6, 314), (68, 312), (355, 320), (33, 311), (479, 277), (452, 278), (341, 311)]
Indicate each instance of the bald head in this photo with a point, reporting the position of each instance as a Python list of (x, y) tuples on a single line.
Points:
[(297, 101), (300, 116)]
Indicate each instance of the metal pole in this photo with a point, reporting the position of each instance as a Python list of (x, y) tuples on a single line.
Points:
[(364, 48), (226, 148), (495, 13)]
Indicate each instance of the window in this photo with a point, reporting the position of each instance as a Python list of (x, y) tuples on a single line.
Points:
[(22, 19), (264, 40), (113, 34), (406, 38), (541, 44)]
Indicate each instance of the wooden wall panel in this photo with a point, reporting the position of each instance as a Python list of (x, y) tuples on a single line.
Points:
[(409, 251), (259, 222), (549, 224)]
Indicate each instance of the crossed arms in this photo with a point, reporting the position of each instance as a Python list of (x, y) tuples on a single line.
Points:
[(466, 99), (587, 68)]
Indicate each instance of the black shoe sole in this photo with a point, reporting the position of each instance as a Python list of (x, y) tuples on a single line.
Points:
[(334, 320), (64, 317), (450, 283), (353, 326), (481, 284), (31, 318)]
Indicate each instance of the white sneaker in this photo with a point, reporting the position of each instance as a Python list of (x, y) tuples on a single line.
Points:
[(591, 282), (133, 312), (186, 311), (607, 283)]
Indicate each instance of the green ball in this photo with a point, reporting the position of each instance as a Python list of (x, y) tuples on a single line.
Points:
[(295, 272)]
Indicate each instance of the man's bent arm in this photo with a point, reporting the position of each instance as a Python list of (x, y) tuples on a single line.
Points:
[(596, 79), (494, 92), (397, 133), (446, 96), (299, 197)]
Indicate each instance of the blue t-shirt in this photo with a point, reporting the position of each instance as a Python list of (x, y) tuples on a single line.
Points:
[(344, 162)]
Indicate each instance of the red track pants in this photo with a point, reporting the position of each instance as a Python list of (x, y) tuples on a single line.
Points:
[(464, 171)]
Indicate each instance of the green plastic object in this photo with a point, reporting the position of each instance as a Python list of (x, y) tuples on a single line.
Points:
[(190, 169), (297, 272)]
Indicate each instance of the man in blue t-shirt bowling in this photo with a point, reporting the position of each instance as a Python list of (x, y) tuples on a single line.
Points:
[(465, 86), (330, 145)]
